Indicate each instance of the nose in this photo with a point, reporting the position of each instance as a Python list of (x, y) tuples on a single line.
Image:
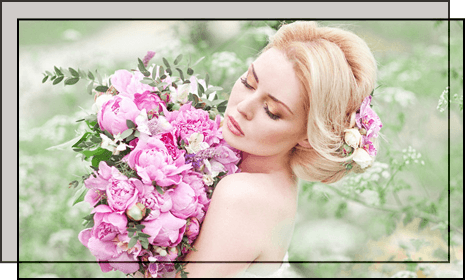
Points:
[(247, 107)]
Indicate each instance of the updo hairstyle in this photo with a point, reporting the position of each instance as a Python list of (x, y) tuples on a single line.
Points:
[(337, 71)]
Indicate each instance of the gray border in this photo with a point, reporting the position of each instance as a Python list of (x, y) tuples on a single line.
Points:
[(12, 11), (328, 10)]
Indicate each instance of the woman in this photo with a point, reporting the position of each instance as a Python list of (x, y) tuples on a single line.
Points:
[(288, 114)]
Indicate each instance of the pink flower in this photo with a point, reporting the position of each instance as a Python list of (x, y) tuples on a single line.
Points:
[(114, 113), (121, 193), (184, 201), (368, 119), (148, 101), (170, 143), (108, 224), (161, 267), (194, 180), (108, 251), (192, 230), (98, 185), (368, 146), (188, 120), (227, 156), (166, 230), (148, 57), (128, 84), (152, 162)]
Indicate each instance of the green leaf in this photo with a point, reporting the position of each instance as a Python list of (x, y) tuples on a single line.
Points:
[(132, 242), (190, 71), (101, 88), (57, 71), (132, 229), (161, 72), (408, 218), (48, 73), (82, 74), (90, 87), (159, 189), (140, 227), (144, 243), (207, 80), (58, 79), (201, 89), (90, 75), (180, 74), (71, 81), (73, 72), (108, 134), (146, 81), (79, 195), (99, 77), (178, 59), (44, 79), (141, 234), (168, 70), (130, 124), (127, 133), (166, 63), (104, 156), (200, 59)]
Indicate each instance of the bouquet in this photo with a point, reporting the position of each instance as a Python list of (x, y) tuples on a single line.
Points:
[(156, 150)]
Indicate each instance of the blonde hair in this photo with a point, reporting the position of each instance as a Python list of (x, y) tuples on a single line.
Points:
[(337, 71)]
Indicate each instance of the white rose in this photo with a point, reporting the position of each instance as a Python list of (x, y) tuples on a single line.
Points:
[(362, 158), (100, 101), (353, 137)]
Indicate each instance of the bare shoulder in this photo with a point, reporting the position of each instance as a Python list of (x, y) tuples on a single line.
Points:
[(255, 191)]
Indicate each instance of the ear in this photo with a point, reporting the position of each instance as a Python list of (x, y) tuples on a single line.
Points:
[(304, 143)]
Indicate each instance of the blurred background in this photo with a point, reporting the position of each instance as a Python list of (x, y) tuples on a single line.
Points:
[(398, 211)]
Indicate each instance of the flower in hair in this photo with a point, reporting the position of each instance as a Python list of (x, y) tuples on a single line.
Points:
[(365, 126)]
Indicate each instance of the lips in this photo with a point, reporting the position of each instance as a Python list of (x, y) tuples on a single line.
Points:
[(234, 126)]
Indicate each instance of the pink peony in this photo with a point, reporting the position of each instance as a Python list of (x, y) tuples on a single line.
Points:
[(148, 101), (108, 251), (166, 230), (184, 201), (121, 193), (128, 84), (108, 224), (192, 229), (152, 162), (194, 180), (98, 185), (188, 120), (114, 113)]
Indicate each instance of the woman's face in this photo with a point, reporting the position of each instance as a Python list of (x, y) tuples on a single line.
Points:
[(265, 114)]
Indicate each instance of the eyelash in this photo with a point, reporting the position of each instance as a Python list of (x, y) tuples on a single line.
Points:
[(267, 110)]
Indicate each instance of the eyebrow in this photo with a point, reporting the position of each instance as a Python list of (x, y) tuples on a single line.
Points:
[(269, 95)]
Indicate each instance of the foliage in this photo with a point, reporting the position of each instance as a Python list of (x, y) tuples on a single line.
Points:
[(399, 189)]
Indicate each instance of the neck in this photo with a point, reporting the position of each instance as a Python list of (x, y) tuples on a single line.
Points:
[(265, 164)]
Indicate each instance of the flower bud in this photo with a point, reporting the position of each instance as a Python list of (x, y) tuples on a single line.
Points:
[(213, 113), (362, 158), (353, 137), (163, 253), (363, 131), (136, 212)]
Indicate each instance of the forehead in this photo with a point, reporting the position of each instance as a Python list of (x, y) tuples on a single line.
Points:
[(277, 77)]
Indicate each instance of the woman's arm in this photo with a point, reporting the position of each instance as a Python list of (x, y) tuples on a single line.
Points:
[(233, 228)]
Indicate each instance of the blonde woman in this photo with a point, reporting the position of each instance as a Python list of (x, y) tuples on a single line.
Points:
[(294, 114)]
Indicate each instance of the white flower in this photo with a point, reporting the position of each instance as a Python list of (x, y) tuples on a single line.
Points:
[(196, 143), (142, 122), (112, 145), (100, 101), (362, 158), (353, 137), (180, 94), (207, 179)]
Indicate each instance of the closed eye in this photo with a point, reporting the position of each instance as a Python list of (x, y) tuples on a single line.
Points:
[(244, 81), (271, 115)]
